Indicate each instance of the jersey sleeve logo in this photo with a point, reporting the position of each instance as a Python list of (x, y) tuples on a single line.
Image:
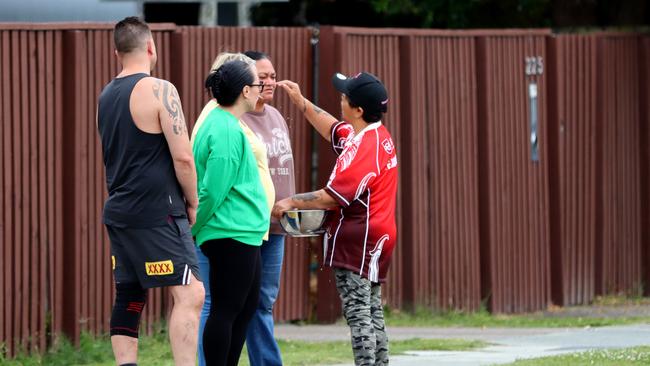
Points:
[(344, 135), (388, 145), (391, 163), (348, 155), (159, 268)]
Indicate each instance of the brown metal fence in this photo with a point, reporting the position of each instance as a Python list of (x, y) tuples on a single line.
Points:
[(596, 186), (644, 135), (58, 262), (572, 134), (448, 91), (30, 203), (618, 251), (443, 204), (514, 186), (356, 50), (478, 216)]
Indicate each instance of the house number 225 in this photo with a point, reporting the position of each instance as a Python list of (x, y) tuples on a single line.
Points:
[(534, 65)]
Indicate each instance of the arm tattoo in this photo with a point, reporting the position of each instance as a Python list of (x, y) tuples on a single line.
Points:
[(311, 196), (167, 94), (304, 105), (156, 88), (319, 111)]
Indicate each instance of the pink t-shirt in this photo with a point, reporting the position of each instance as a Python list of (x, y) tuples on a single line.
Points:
[(271, 128)]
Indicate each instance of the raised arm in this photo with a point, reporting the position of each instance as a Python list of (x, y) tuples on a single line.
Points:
[(320, 119), (172, 122)]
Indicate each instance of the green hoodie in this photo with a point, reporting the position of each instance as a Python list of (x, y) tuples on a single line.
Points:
[(232, 202)]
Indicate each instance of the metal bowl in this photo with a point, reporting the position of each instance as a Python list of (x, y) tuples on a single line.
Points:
[(303, 223)]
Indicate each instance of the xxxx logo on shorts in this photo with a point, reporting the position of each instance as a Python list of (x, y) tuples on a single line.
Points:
[(159, 268)]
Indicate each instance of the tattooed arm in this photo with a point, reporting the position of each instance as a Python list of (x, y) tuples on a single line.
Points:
[(172, 122), (311, 200), (320, 119)]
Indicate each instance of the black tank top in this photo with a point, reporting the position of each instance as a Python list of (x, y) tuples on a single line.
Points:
[(142, 187)]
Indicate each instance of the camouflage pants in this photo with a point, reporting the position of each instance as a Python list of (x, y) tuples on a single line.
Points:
[(363, 311)]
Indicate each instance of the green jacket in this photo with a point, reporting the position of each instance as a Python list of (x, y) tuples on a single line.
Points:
[(232, 202)]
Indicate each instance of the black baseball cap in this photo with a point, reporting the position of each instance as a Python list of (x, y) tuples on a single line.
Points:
[(364, 90)]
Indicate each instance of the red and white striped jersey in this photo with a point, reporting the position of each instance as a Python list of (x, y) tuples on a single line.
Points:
[(361, 233)]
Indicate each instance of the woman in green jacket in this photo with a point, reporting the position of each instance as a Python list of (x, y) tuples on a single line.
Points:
[(233, 215)]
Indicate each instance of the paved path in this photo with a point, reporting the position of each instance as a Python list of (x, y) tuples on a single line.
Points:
[(509, 344), (323, 333)]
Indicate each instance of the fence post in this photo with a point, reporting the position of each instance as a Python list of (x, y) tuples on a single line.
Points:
[(72, 58)]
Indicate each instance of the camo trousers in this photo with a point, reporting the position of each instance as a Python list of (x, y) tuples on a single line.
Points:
[(362, 308)]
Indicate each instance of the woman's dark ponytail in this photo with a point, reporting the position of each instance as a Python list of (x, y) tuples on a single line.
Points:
[(227, 82)]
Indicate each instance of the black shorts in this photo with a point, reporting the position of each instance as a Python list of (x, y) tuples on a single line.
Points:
[(156, 256)]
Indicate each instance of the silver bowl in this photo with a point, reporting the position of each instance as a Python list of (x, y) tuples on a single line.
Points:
[(303, 223)]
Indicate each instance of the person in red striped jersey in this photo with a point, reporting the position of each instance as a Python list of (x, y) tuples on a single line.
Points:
[(361, 191)]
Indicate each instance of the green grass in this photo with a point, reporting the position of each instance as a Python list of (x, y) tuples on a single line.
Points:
[(427, 318), (90, 351), (323, 353), (621, 300), (155, 350), (612, 357)]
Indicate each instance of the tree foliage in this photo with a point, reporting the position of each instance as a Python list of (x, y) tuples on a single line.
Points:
[(470, 13), (455, 13)]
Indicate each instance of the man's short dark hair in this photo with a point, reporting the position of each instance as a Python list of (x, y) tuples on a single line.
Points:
[(130, 33), (368, 116), (257, 55)]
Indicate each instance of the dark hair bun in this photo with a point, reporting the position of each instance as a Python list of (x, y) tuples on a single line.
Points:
[(227, 82), (212, 82)]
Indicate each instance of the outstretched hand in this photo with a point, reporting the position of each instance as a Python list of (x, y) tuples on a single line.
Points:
[(280, 207), (293, 90)]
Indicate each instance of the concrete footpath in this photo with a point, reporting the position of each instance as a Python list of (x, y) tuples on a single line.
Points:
[(507, 344)]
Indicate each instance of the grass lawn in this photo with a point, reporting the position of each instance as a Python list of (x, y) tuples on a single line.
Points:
[(625, 356), (426, 318), (155, 350)]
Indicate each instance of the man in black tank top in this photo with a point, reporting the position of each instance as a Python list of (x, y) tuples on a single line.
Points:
[(152, 198)]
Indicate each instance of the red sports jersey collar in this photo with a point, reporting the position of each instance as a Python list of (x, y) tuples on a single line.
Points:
[(370, 127)]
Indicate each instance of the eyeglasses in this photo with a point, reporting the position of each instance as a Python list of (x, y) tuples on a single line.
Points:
[(260, 85)]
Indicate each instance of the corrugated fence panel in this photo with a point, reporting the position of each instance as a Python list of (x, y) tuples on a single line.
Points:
[(349, 51), (379, 55), (433, 92), (54, 80), (30, 230), (290, 51), (515, 212), (440, 172), (328, 305), (644, 82), (618, 266), (572, 132), (414, 157), (449, 266)]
